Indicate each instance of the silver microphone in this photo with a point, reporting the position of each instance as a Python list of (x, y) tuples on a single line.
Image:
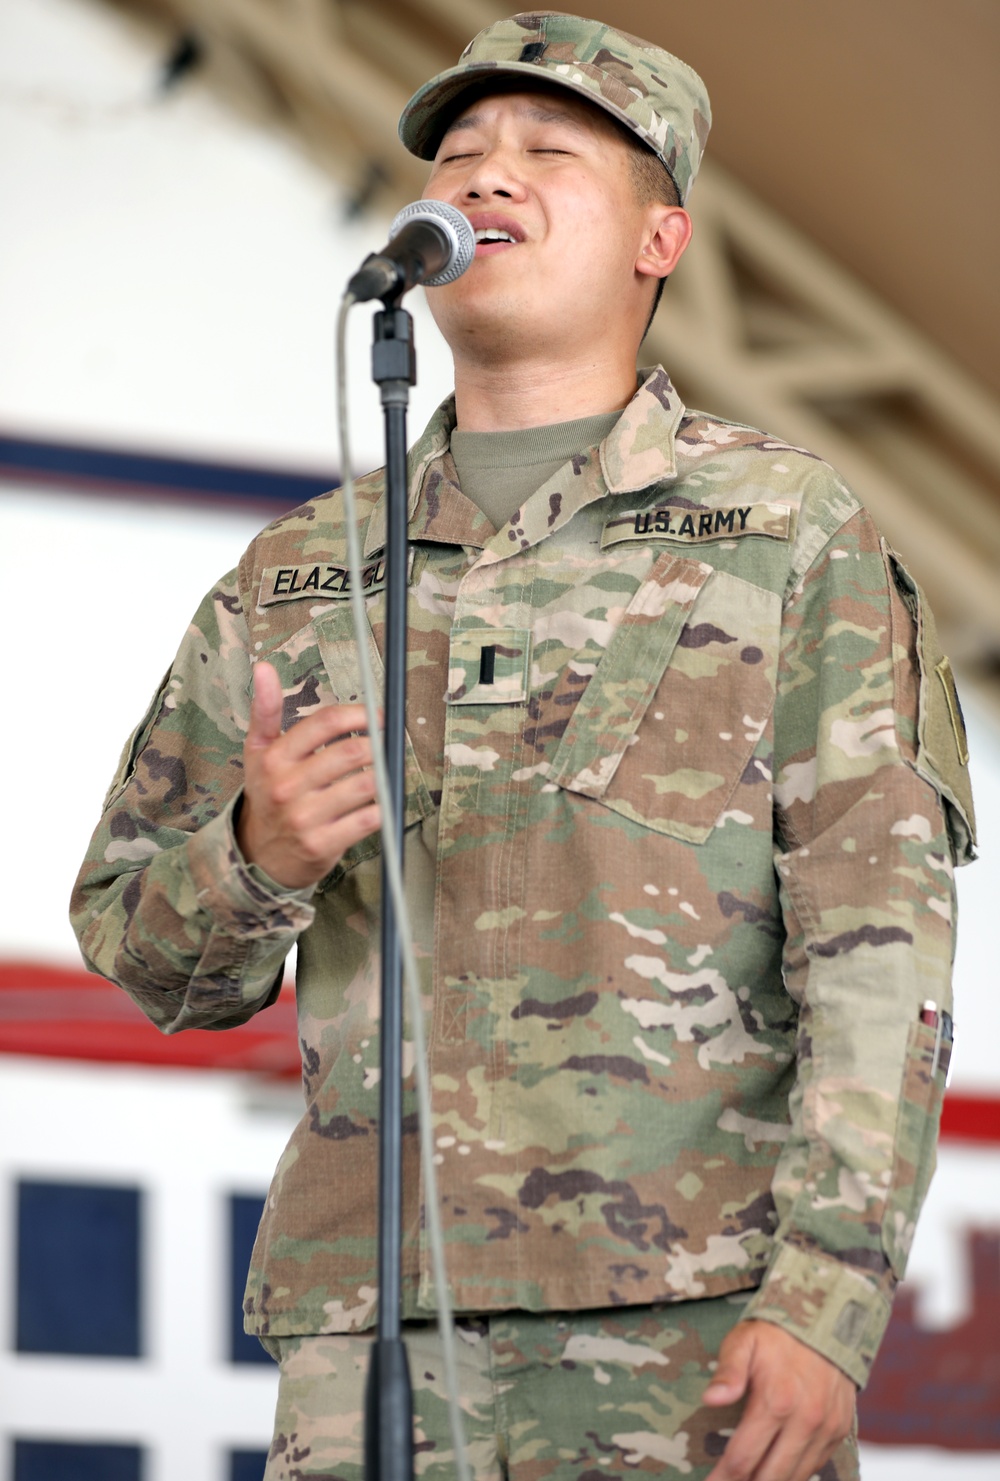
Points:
[(429, 242)]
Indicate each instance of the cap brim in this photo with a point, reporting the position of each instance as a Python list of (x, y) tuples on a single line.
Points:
[(426, 117)]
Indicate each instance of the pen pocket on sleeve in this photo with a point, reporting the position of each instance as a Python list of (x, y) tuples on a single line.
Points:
[(133, 747), (915, 1150)]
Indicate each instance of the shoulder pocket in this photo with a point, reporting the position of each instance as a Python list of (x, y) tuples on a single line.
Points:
[(942, 744), (679, 702)]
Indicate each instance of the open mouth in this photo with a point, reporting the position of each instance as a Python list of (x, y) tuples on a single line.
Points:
[(493, 234), (491, 239)]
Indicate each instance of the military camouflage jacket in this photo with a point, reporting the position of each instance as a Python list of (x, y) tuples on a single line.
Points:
[(685, 784)]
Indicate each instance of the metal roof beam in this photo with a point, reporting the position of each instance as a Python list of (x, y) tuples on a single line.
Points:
[(916, 438)]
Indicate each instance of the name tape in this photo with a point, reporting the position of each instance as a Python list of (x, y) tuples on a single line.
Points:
[(318, 582), (698, 526)]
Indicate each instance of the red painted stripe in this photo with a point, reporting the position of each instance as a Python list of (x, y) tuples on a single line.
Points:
[(67, 1013), (971, 1118)]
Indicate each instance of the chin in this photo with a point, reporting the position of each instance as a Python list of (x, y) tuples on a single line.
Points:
[(476, 312)]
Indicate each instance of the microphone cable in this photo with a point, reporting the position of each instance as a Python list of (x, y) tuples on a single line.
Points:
[(394, 875)]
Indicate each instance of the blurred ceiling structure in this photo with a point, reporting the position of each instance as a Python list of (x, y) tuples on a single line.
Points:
[(841, 289)]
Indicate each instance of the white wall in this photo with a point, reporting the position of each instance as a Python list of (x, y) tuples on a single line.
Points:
[(169, 273)]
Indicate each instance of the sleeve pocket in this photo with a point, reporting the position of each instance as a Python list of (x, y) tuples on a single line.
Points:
[(916, 1140), (133, 747)]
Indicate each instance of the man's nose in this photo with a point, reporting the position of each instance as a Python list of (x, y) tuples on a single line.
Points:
[(494, 174)]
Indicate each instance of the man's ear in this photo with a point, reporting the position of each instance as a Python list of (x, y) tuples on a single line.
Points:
[(669, 234)]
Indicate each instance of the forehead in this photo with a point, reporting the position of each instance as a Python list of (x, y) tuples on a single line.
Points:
[(539, 104)]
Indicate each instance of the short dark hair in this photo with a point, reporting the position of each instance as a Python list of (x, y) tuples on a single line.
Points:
[(650, 176)]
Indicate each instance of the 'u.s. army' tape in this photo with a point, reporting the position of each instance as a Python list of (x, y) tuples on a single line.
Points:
[(697, 526)]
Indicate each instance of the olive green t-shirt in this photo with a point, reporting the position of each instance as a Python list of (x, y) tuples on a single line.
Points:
[(498, 470)]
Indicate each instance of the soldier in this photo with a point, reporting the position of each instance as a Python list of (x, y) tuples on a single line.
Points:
[(686, 783)]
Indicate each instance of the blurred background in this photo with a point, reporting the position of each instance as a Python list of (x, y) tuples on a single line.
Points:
[(185, 187)]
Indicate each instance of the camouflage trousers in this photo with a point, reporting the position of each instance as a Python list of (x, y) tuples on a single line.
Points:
[(583, 1396)]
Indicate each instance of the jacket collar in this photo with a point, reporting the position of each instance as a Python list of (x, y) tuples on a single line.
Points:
[(638, 452)]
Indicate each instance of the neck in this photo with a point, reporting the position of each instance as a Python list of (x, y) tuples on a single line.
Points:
[(507, 397)]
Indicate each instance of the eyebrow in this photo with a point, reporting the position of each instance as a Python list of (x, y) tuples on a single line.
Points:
[(537, 112)]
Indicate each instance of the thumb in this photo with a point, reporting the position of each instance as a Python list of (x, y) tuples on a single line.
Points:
[(732, 1376), (265, 707)]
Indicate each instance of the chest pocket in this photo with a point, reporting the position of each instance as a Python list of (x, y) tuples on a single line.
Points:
[(339, 652), (667, 725)]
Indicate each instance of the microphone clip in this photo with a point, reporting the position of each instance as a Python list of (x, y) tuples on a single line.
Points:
[(378, 277), (394, 355)]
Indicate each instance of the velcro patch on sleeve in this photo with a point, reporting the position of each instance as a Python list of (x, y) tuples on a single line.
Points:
[(954, 708), (699, 526), (942, 743), (318, 582)]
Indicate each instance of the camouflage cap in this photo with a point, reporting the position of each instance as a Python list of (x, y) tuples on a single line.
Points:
[(656, 96)]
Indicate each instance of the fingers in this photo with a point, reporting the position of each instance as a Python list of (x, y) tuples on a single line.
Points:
[(301, 854), (309, 792), (308, 796), (295, 832), (325, 725), (775, 1445), (760, 1425), (797, 1452), (732, 1374), (800, 1405), (317, 729), (293, 767)]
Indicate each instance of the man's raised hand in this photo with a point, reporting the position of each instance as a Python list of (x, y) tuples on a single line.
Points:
[(308, 793)]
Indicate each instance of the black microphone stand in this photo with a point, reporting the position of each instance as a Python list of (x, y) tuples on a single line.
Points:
[(388, 1395)]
